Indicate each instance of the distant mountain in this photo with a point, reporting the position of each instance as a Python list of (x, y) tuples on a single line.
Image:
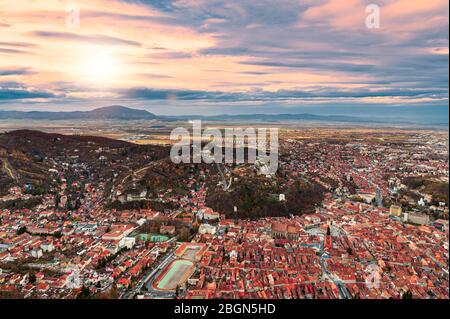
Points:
[(121, 112), (115, 112), (278, 118), (300, 117), (307, 117)]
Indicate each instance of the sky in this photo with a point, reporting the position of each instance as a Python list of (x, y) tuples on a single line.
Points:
[(223, 56)]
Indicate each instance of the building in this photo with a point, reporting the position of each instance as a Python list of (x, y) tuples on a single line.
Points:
[(284, 230), (117, 232), (441, 224), (379, 197), (47, 247), (210, 215), (395, 210), (127, 242), (207, 229), (36, 253), (167, 230), (418, 219)]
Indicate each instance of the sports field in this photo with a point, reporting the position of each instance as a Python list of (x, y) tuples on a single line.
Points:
[(174, 275)]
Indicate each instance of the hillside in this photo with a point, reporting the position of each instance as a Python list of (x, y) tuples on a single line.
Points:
[(27, 157), (115, 112), (256, 196)]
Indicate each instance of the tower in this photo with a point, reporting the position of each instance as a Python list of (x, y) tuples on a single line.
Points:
[(379, 197)]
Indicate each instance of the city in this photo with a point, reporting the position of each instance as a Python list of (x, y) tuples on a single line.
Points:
[(103, 230), (212, 158)]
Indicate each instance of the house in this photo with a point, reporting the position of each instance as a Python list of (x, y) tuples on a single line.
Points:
[(47, 247), (207, 229), (36, 253), (441, 224), (43, 286), (167, 230), (117, 232), (127, 242), (395, 210)]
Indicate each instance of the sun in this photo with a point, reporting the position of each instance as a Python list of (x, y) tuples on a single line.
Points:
[(100, 66)]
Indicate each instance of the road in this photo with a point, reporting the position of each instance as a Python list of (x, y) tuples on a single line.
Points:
[(139, 170), (343, 293), (8, 169), (148, 278)]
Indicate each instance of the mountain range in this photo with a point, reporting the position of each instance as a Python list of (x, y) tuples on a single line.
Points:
[(117, 112), (114, 112)]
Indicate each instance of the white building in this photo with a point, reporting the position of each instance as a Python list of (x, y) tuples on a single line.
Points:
[(207, 229), (37, 253), (47, 247), (127, 242)]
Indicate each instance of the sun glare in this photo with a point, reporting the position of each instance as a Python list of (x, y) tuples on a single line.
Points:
[(100, 67)]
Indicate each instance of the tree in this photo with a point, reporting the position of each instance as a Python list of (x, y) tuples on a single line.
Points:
[(57, 200), (32, 278), (85, 292), (21, 230), (184, 234), (407, 295)]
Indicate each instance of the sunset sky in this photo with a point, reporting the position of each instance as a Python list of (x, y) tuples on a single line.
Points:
[(222, 56)]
